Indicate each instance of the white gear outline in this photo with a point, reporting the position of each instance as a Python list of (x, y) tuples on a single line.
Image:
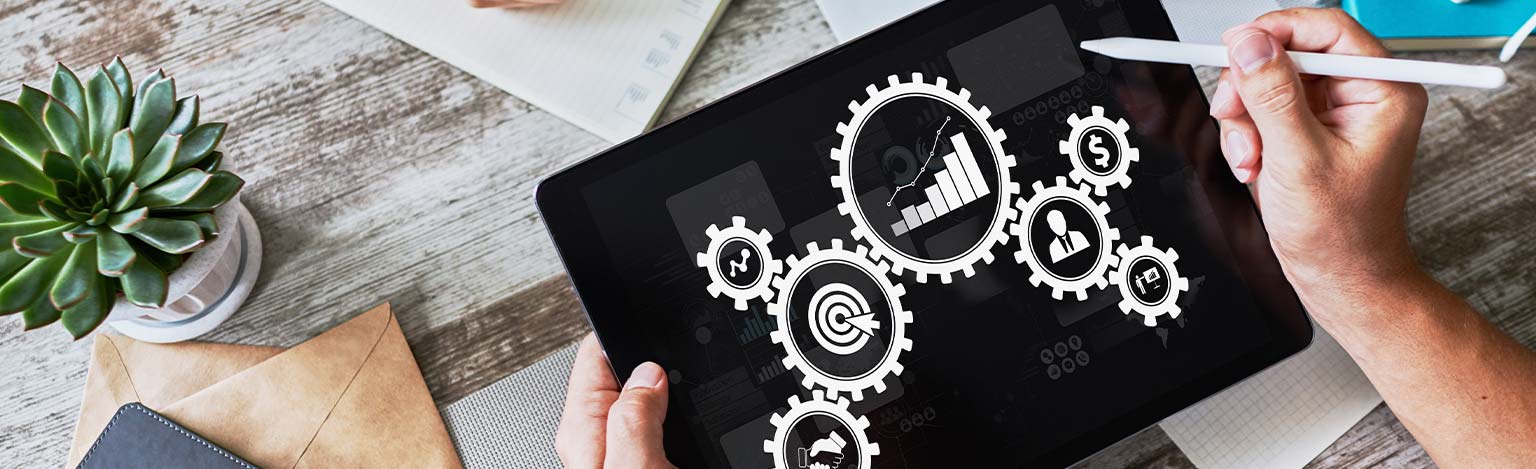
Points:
[(1108, 236), (901, 262), (1177, 284), (1080, 172), (795, 358), (819, 404), (709, 260)]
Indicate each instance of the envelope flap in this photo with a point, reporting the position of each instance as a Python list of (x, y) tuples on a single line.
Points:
[(181, 370), (387, 418), (269, 412), (167, 374), (107, 387)]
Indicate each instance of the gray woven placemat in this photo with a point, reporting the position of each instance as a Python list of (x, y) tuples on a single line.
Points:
[(511, 424)]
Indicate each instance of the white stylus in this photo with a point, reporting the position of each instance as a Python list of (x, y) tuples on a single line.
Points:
[(1375, 68)]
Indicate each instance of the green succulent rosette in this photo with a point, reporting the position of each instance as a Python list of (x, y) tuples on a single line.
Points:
[(105, 188)]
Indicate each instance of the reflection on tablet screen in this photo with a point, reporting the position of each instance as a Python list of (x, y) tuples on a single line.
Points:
[(974, 244)]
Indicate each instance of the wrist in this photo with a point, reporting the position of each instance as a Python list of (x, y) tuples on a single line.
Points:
[(1360, 295)]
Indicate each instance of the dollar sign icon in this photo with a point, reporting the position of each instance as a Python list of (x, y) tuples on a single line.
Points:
[(1096, 145)]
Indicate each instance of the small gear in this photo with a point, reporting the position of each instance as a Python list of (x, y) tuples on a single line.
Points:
[(1168, 304), (1101, 180), (819, 404), (1107, 238), (795, 358), (759, 288), (881, 248)]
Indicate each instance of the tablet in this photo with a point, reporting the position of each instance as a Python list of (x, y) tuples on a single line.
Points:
[(957, 241)]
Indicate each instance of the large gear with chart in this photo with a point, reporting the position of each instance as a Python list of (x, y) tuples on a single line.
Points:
[(1149, 281), (954, 189), (1065, 238), (739, 263), (1099, 151), (842, 320), (820, 433)]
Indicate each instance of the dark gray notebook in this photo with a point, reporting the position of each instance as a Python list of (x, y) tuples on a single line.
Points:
[(137, 437)]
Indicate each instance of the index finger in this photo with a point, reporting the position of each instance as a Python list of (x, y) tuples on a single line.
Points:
[(1332, 31), (1327, 30), (588, 396)]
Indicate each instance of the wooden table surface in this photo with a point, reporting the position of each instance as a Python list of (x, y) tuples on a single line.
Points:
[(380, 174)]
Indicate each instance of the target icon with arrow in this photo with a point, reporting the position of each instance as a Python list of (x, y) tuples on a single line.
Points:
[(841, 320)]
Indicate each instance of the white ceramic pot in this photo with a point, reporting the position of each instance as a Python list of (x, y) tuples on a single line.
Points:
[(206, 290)]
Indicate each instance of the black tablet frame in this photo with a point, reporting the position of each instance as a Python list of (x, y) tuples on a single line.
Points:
[(571, 227)]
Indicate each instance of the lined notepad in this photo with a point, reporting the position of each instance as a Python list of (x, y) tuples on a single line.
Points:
[(1282, 417), (607, 66)]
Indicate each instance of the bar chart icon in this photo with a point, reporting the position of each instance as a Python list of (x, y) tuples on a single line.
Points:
[(755, 327), (958, 184)]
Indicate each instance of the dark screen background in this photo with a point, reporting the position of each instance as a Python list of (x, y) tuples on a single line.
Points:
[(978, 386)]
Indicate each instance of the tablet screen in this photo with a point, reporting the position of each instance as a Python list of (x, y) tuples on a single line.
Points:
[(961, 240)]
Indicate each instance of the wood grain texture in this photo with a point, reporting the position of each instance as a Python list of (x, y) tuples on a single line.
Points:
[(381, 174)]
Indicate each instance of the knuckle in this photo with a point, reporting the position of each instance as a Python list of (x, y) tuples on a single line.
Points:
[(1408, 98), (1279, 97), (568, 450), (1339, 16), (629, 414), (593, 405), (563, 449), (1418, 96), (1279, 15)]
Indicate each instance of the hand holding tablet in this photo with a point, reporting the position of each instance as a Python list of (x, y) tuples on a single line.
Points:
[(933, 242)]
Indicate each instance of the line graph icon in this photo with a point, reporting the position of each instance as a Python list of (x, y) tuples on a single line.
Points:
[(958, 184), (924, 168)]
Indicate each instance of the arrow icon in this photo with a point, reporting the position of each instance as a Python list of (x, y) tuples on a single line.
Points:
[(866, 323)]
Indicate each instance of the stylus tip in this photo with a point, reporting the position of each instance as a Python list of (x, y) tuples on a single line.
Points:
[(1093, 45)]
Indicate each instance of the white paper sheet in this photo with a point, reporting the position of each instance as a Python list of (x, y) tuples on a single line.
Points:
[(851, 18), (605, 65), (1282, 417)]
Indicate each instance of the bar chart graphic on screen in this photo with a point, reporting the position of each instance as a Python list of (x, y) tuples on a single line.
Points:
[(958, 184)]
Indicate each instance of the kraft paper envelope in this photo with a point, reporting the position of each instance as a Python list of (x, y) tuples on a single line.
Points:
[(351, 397)]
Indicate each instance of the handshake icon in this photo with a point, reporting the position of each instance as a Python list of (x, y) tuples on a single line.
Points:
[(826, 453)]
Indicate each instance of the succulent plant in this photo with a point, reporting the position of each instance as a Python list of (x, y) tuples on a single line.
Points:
[(104, 190)]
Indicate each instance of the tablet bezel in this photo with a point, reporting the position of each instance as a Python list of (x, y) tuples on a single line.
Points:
[(571, 228)]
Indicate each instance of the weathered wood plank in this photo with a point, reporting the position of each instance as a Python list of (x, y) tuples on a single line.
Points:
[(380, 174)]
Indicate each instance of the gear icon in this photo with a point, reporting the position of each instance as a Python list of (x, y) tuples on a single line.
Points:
[(1107, 237), (819, 404), (1139, 301), (794, 357), (1097, 126), (882, 249), (756, 242)]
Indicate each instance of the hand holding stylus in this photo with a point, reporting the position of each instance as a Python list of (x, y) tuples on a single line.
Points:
[(1329, 161), (1328, 158)]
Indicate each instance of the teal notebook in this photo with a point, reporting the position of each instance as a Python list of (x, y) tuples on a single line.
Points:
[(1442, 24)]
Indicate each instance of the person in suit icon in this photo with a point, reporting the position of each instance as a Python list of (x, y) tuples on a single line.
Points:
[(1067, 242)]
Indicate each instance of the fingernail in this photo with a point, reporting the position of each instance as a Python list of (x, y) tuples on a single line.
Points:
[(1241, 174), (1253, 50), (647, 375), (1221, 98), (1237, 149)]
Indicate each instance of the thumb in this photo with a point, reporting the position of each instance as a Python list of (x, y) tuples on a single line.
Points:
[(1271, 90), (634, 421)]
